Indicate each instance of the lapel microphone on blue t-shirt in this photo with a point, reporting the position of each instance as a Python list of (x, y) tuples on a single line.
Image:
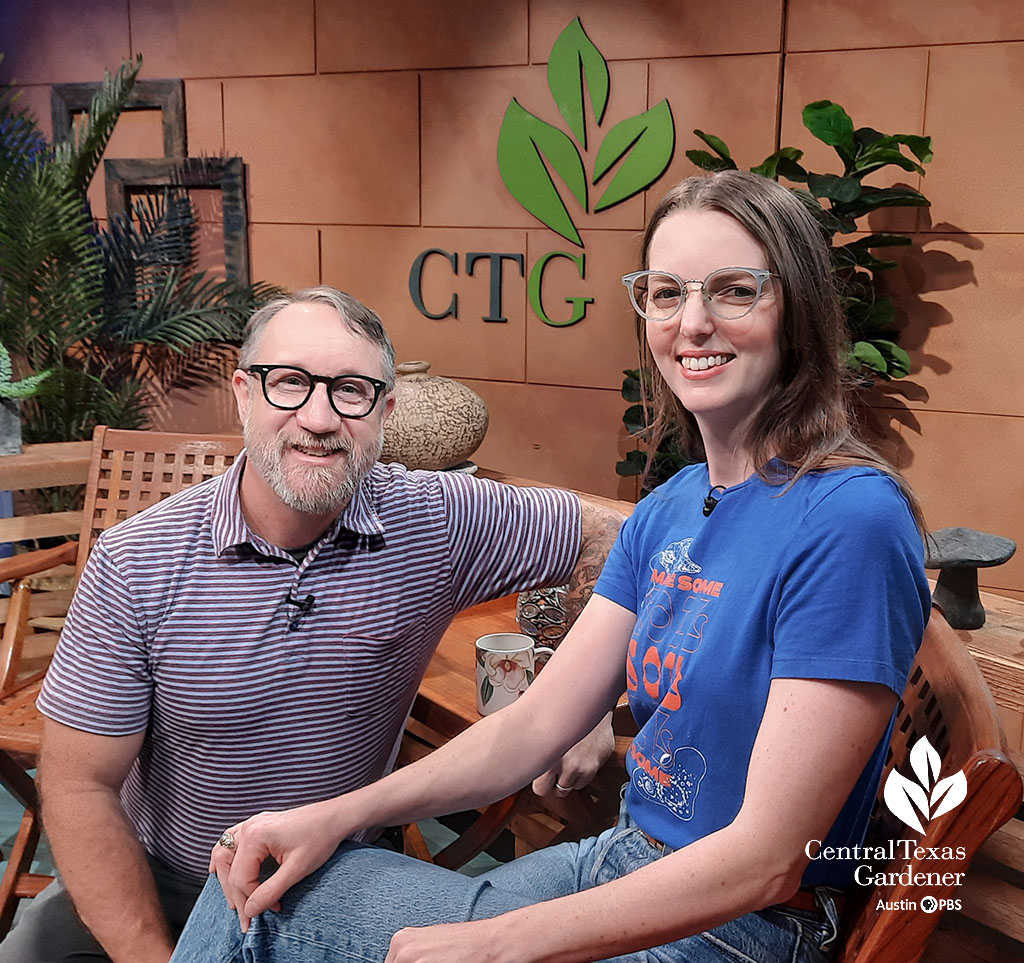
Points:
[(305, 606), (710, 501)]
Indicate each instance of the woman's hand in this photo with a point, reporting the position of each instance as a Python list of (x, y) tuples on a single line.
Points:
[(299, 840), (475, 942), (577, 768)]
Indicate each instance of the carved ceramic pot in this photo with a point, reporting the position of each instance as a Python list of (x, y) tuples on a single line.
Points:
[(437, 422)]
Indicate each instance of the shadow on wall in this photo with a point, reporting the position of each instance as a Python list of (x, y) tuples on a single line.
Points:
[(923, 269)]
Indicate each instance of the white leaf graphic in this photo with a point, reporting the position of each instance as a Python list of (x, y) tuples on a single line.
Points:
[(925, 762), (954, 789), (901, 794)]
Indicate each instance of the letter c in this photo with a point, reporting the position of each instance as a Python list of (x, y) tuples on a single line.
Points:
[(416, 284)]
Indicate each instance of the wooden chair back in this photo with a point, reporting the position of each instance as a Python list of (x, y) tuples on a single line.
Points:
[(131, 470), (946, 700)]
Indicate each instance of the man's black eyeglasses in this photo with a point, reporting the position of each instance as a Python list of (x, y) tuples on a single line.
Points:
[(289, 388)]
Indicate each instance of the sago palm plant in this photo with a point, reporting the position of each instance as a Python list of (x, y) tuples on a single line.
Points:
[(120, 314)]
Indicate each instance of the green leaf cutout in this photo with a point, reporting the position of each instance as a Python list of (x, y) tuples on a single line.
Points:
[(831, 124), (646, 142), (573, 60), (525, 142)]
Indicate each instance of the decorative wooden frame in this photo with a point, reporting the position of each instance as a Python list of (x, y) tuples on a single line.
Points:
[(167, 96), (226, 173)]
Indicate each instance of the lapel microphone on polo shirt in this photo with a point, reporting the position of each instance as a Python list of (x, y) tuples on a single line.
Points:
[(709, 501), (305, 606)]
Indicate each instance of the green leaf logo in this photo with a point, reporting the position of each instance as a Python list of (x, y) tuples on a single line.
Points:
[(531, 152)]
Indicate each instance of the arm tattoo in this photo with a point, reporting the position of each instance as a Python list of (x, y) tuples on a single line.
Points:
[(598, 527)]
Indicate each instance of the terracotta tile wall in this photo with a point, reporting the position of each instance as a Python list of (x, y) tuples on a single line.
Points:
[(370, 136)]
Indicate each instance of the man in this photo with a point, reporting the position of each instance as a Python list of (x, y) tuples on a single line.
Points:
[(256, 642)]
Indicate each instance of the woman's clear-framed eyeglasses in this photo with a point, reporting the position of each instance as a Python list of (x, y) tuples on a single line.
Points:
[(289, 388), (730, 293)]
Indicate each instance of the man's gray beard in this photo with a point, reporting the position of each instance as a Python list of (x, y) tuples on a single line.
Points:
[(325, 489)]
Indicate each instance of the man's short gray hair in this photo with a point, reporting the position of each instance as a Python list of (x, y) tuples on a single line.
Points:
[(357, 317)]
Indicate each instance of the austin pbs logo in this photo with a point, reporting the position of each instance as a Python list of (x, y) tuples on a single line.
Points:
[(917, 803)]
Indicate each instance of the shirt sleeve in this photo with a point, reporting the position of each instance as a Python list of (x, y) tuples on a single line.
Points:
[(852, 600), (618, 579), (506, 539), (99, 680)]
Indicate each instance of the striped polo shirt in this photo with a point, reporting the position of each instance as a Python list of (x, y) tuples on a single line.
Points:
[(184, 624)]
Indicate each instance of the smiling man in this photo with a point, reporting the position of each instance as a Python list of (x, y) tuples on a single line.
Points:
[(255, 642)]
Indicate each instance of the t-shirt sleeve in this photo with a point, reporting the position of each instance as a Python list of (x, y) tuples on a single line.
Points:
[(618, 579), (505, 539), (99, 680), (852, 600)]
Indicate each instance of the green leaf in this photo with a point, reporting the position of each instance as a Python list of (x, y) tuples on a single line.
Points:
[(875, 158), (631, 388), (6, 369), (872, 198), (769, 167), (791, 170), (524, 143), (830, 123), (646, 142), (842, 189), (25, 388), (879, 315), (715, 143), (897, 360), (635, 463), (636, 419), (708, 162), (866, 136), (573, 60), (921, 147), (870, 357)]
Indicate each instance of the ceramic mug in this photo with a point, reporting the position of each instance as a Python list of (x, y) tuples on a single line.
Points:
[(506, 663)]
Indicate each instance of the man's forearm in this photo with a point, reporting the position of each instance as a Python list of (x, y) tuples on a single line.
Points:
[(105, 870), (599, 524)]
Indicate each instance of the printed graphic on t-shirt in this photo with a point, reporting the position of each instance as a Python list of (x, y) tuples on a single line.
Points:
[(669, 631)]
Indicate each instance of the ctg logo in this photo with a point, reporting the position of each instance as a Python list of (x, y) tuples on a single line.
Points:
[(929, 797), (529, 149), (543, 166)]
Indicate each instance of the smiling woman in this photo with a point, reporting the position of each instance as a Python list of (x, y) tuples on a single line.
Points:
[(762, 707)]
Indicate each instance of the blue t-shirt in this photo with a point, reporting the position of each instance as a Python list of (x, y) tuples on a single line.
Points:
[(823, 580)]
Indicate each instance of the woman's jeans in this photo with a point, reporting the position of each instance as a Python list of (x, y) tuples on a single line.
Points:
[(349, 909)]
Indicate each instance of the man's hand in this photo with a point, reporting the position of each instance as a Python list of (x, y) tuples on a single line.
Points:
[(299, 840), (580, 764)]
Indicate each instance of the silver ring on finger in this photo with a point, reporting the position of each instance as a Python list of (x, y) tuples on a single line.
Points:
[(561, 788), (227, 841)]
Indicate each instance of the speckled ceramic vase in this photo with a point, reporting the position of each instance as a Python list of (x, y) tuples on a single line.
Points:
[(437, 422)]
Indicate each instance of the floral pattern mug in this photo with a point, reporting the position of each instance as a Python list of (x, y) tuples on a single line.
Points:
[(506, 663)]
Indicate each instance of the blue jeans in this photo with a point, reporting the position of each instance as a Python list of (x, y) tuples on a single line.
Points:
[(349, 909)]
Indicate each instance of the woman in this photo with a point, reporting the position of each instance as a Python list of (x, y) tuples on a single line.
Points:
[(762, 608)]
